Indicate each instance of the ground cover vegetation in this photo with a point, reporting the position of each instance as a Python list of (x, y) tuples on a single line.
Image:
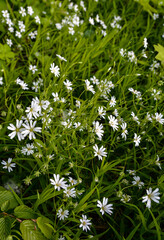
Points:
[(81, 119)]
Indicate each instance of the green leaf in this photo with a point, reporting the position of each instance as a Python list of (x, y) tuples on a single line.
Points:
[(5, 206), (47, 194), (30, 232), (5, 52), (5, 227), (156, 225), (8, 196), (43, 224), (16, 196), (83, 200), (146, 6), (160, 49), (133, 232), (25, 212)]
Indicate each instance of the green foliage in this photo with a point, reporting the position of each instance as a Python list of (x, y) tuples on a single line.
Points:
[(45, 227), (29, 231), (5, 52), (160, 56), (24, 212), (5, 227), (7, 200), (108, 45)]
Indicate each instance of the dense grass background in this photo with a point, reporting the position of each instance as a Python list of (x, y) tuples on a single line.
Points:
[(29, 207)]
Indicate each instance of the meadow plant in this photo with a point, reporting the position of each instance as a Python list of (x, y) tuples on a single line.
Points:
[(81, 119)]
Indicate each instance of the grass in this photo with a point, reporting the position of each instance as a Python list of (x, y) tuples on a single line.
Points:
[(29, 202)]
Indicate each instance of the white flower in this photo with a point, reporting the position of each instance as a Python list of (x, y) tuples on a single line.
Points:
[(151, 196), (122, 52), (135, 118), (71, 30), (131, 172), (98, 129), (30, 11), (61, 58), (72, 181), (8, 165), (104, 207), (18, 34), (124, 130), (58, 183), (16, 130), (112, 102), (55, 70), (101, 112), (145, 43), (85, 223), (91, 21), (89, 87), (68, 84), (136, 140), (99, 152), (1, 80), (70, 192), (22, 11), (33, 68), (62, 214), (5, 14), (37, 19), (157, 162), (94, 80), (33, 110), (137, 182), (29, 149), (30, 129), (56, 97), (113, 122), (9, 42), (78, 103), (158, 118)]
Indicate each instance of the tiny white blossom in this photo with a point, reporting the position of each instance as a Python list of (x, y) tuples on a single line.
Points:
[(22, 11), (8, 165), (62, 214), (91, 21), (57, 182), (158, 118), (104, 207), (55, 70), (113, 122), (29, 129), (30, 10), (85, 223), (136, 140), (89, 87), (16, 130), (68, 84), (9, 42), (99, 152), (37, 19), (137, 182), (70, 192), (151, 196), (98, 129), (33, 68), (112, 102)]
